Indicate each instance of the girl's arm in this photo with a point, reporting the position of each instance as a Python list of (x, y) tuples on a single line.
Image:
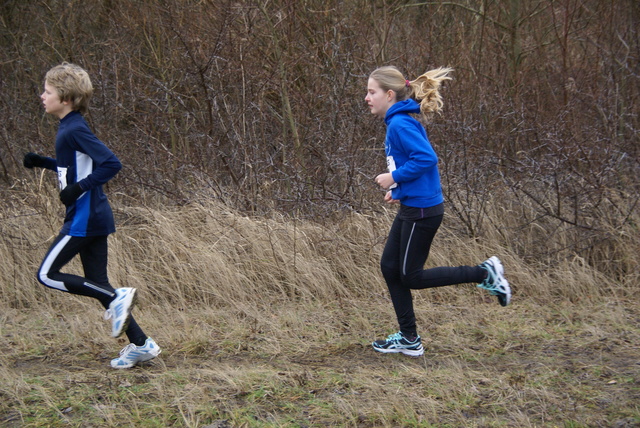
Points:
[(419, 152)]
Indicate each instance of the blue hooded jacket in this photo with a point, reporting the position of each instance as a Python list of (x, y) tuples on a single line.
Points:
[(412, 161)]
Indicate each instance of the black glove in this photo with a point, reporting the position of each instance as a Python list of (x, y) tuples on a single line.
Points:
[(69, 194), (31, 159)]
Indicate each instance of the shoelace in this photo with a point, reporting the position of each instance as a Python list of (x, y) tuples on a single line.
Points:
[(489, 283), (394, 337), (127, 349), (492, 289)]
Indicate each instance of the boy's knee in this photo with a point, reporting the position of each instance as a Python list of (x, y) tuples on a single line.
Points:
[(41, 274), (45, 279), (42, 277)]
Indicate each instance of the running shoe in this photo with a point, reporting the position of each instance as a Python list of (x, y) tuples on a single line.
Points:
[(495, 283), (397, 342), (132, 354), (119, 310)]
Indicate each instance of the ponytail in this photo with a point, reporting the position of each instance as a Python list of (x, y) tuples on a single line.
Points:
[(425, 89)]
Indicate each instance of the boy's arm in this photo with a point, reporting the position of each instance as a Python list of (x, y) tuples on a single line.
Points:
[(34, 160), (106, 163), (106, 169)]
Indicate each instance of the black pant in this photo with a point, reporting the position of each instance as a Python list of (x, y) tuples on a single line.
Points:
[(403, 262), (93, 252)]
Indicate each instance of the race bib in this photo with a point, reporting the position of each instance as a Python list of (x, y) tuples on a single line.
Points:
[(391, 166), (62, 177)]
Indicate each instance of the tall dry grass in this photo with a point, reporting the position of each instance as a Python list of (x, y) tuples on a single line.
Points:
[(208, 253)]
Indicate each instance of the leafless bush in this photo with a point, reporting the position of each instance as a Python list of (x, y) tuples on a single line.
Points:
[(260, 104)]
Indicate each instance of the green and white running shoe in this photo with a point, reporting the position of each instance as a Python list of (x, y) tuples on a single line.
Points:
[(397, 342), (132, 354), (495, 283), (119, 310)]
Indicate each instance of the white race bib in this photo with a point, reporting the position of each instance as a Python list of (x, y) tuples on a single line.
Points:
[(391, 166), (62, 177)]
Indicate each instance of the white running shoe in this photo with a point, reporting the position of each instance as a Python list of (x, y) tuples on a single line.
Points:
[(119, 310), (132, 354), (398, 342), (496, 283)]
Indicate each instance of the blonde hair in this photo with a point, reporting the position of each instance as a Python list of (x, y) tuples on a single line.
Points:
[(72, 83), (425, 89)]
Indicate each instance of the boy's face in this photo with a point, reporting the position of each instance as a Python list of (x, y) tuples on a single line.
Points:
[(52, 104), (378, 100)]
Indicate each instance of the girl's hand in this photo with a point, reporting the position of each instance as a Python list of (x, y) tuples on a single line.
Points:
[(388, 199), (385, 180)]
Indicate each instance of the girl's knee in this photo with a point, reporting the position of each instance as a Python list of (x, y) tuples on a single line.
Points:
[(411, 280), (389, 271)]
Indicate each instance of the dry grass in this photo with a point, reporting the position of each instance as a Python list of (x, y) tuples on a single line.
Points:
[(267, 322)]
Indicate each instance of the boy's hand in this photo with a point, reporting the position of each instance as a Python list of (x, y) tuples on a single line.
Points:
[(31, 159), (69, 194)]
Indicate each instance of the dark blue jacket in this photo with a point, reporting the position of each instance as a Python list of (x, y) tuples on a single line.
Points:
[(82, 158)]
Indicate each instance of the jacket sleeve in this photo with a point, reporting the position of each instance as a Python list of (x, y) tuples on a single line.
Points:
[(106, 164), (50, 163), (417, 148)]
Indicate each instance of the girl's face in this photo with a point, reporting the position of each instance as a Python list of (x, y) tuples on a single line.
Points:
[(378, 100), (52, 104)]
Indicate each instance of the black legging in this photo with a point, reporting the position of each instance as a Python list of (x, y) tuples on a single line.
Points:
[(403, 262), (94, 256)]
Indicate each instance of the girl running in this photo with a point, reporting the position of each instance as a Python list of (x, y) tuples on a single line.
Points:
[(413, 181)]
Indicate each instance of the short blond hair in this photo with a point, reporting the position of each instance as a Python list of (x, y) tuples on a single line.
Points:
[(424, 89), (72, 83)]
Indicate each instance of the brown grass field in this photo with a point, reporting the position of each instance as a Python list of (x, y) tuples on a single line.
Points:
[(268, 322)]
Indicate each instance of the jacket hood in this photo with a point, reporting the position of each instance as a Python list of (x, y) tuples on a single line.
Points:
[(406, 106)]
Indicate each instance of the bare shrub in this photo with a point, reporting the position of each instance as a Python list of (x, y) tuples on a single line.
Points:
[(259, 106)]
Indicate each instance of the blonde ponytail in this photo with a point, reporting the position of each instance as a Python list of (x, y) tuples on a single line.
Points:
[(425, 89)]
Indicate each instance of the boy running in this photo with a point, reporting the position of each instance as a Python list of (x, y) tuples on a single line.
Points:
[(83, 164)]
